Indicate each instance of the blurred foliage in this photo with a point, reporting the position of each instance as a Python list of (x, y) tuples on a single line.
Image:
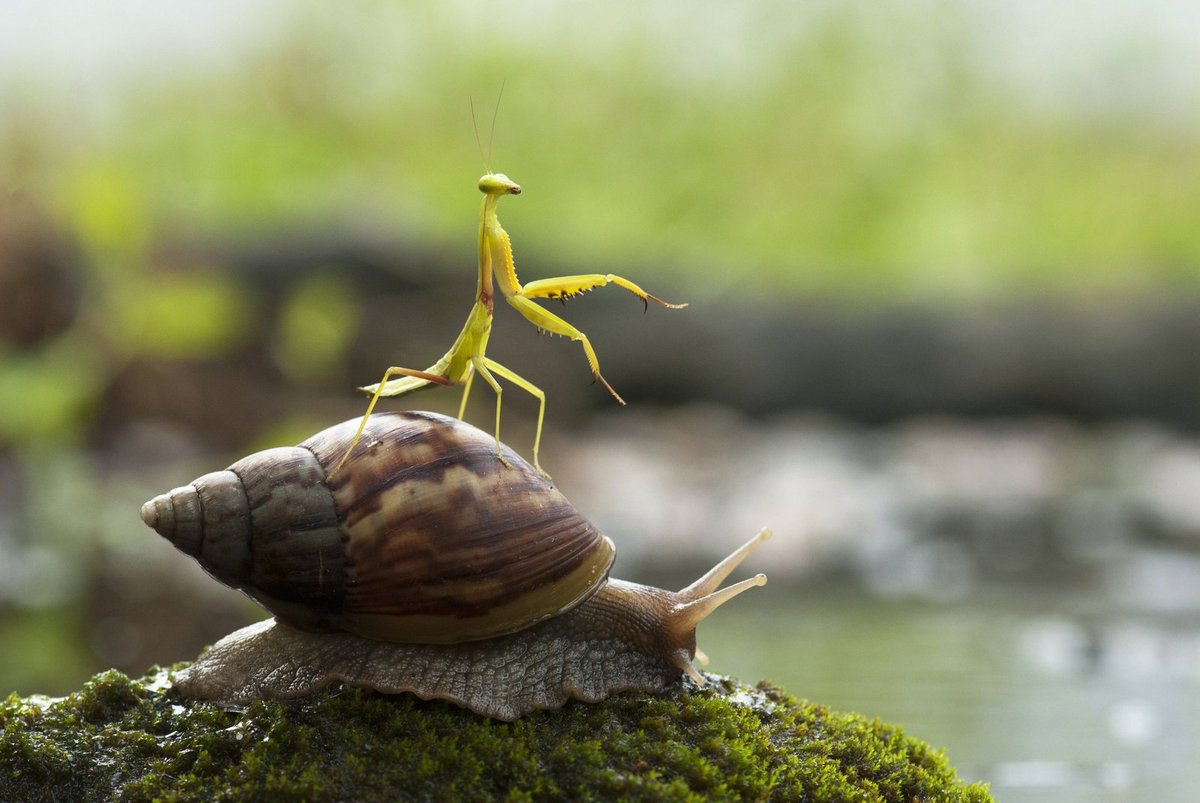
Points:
[(148, 317), (318, 321), (858, 149), (53, 649), (861, 147), (44, 396)]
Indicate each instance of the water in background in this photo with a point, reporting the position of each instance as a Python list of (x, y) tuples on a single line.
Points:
[(1023, 593), (1042, 705)]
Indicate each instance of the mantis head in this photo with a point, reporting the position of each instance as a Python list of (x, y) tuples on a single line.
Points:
[(498, 184)]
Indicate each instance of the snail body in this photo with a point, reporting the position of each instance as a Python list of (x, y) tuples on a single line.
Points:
[(424, 565)]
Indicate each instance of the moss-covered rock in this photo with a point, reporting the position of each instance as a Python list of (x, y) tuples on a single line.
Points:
[(138, 740)]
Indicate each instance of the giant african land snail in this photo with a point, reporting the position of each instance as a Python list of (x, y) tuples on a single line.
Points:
[(424, 565)]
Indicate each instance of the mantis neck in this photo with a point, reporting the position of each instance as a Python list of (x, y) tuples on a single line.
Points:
[(495, 254), (487, 218)]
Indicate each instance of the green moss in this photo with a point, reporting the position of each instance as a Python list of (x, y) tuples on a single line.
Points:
[(138, 740)]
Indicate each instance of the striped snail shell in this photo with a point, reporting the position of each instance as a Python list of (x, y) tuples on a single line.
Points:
[(423, 537), (423, 565)]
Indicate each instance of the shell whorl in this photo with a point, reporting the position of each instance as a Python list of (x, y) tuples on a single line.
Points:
[(208, 519), (423, 536), (266, 526)]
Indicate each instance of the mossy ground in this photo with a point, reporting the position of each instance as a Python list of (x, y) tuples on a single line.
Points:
[(138, 740)]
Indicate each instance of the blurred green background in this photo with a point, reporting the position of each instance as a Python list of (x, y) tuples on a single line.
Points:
[(216, 219)]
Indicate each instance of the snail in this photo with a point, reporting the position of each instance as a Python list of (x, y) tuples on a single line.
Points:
[(424, 565)]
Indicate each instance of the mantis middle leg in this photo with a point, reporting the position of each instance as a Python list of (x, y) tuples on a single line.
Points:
[(484, 367), (533, 390)]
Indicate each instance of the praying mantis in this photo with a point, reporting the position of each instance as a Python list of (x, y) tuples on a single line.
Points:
[(468, 356)]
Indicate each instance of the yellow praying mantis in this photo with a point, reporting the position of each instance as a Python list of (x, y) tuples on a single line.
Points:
[(468, 357)]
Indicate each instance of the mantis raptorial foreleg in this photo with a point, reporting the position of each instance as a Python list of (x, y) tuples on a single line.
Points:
[(566, 286)]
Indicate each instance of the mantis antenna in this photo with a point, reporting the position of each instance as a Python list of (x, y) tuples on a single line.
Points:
[(475, 125), (487, 162), (492, 133)]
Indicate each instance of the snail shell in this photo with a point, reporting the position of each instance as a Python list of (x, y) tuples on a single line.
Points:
[(424, 565), (423, 536)]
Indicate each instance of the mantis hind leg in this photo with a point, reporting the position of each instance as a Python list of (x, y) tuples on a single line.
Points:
[(426, 376), (481, 368), (533, 390), (462, 407), (549, 322)]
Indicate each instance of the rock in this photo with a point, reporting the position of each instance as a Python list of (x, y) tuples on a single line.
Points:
[(139, 740)]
